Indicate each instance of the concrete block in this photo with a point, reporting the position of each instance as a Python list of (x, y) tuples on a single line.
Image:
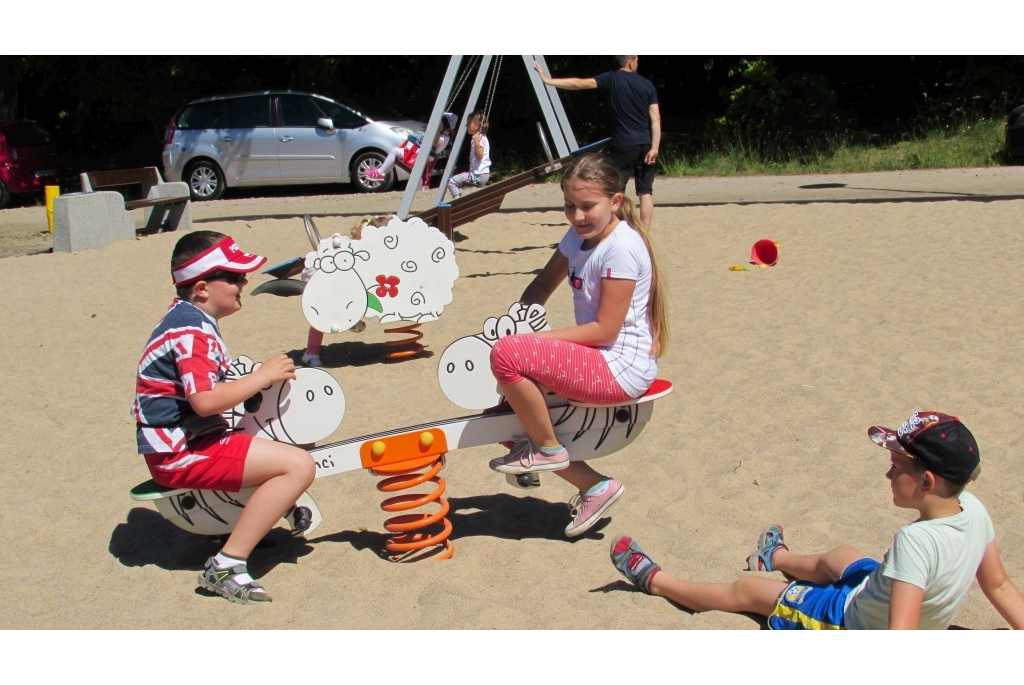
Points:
[(83, 221), (174, 217), (167, 217)]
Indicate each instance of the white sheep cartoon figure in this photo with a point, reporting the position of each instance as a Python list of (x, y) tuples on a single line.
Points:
[(335, 296), (464, 371), (411, 270), (403, 271)]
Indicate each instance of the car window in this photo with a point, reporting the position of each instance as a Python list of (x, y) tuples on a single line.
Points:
[(343, 116), (201, 116), (247, 112), (23, 135), (298, 110)]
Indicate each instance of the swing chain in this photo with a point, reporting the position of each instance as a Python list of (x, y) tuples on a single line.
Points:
[(463, 77), (491, 87)]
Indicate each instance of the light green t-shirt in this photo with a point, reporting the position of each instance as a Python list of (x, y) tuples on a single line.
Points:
[(941, 556)]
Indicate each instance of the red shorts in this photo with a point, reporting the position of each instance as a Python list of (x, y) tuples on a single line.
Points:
[(213, 462), (410, 151)]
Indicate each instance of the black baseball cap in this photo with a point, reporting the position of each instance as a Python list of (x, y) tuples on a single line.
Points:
[(937, 441)]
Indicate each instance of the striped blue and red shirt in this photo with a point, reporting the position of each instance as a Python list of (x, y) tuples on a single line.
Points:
[(185, 355)]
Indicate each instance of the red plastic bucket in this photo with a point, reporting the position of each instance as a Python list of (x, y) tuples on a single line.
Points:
[(765, 252)]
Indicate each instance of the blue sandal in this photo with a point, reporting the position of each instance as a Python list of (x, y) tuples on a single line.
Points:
[(768, 541), (633, 562)]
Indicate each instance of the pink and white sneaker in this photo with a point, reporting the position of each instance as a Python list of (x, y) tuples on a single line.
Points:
[(525, 457), (588, 509), (374, 175)]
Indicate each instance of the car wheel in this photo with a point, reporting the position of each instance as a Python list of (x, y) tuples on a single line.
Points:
[(205, 180), (362, 164), (5, 197)]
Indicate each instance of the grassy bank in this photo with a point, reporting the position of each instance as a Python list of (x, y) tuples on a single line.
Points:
[(974, 144)]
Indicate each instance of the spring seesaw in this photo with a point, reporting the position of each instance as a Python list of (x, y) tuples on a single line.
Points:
[(402, 273), (409, 457)]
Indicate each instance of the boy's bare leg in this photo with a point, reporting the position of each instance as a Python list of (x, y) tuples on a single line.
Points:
[(753, 595), (280, 473), (817, 568)]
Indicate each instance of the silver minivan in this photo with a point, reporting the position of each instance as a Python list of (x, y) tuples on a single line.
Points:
[(278, 137)]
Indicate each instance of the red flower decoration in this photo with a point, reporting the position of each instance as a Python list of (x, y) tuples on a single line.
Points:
[(387, 286)]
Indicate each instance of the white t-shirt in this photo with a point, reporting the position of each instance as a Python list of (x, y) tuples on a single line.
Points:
[(480, 165), (623, 254), (941, 556)]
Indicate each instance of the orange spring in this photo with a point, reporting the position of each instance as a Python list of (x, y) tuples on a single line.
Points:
[(405, 544), (412, 347)]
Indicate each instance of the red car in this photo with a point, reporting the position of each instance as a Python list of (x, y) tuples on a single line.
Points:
[(28, 160)]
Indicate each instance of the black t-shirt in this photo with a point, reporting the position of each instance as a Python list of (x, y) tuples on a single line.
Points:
[(629, 97)]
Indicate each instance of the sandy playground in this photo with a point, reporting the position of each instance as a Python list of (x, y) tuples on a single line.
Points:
[(874, 310)]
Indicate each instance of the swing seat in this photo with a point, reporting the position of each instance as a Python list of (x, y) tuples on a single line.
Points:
[(215, 512), (410, 151), (659, 388)]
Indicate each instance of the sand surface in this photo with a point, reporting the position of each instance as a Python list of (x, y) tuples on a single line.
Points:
[(874, 310)]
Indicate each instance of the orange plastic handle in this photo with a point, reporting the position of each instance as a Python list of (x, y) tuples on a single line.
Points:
[(395, 449)]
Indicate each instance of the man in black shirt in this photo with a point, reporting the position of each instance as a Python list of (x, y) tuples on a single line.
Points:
[(635, 123)]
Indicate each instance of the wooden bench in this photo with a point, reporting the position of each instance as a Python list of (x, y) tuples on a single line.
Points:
[(102, 212), (147, 182)]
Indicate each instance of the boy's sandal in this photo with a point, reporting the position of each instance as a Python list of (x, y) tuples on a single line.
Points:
[(632, 562), (224, 582), (768, 541)]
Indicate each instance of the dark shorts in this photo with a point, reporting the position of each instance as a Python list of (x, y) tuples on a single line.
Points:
[(631, 163)]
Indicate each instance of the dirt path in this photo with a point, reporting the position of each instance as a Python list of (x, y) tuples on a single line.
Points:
[(23, 230)]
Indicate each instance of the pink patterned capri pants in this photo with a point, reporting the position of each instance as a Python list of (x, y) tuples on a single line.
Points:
[(575, 371)]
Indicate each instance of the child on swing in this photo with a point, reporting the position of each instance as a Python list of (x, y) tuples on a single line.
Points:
[(479, 156), (180, 394), (409, 151), (609, 356)]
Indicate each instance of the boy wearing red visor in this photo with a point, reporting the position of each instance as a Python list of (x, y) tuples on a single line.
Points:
[(180, 395)]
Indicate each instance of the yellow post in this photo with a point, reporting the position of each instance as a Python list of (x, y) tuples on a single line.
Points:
[(51, 192)]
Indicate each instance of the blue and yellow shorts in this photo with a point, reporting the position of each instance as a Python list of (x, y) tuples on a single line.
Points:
[(809, 606)]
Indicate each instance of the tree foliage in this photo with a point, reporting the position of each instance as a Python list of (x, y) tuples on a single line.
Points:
[(109, 112)]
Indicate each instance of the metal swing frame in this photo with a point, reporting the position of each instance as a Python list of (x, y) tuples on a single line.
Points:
[(558, 128)]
